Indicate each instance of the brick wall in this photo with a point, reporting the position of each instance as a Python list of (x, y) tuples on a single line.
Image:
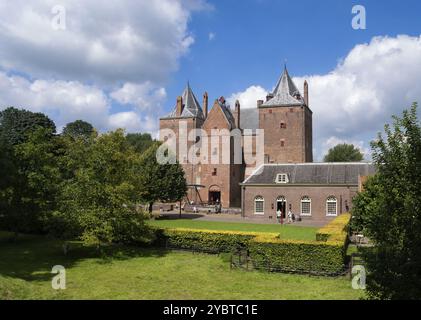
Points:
[(293, 195)]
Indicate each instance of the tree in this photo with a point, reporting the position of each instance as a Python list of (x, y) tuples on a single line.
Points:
[(78, 128), (16, 124), (160, 182), (33, 187), (140, 141), (388, 211), (98, 200), (344, 153)]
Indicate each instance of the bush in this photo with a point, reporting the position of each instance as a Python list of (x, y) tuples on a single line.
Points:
[(203, 240), (336, 230), (297, 256), (267, 250)]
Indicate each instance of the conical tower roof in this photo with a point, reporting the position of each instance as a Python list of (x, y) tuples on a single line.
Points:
[(285, 93), (191, 107)]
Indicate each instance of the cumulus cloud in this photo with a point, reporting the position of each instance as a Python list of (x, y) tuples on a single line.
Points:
[(249, 97), (145, 96), (107, 42), (64, 101), (353, 102), (107, 56)]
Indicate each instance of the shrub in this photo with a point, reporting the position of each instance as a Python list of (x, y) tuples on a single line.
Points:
[(336, 230), (203, 240), (267, 250), (297, 256)]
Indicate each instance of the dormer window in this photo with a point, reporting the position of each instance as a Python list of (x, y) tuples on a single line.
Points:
[(282, 178)]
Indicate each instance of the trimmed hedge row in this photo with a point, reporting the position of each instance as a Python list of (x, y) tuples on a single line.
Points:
[(204, 240), (267, 250), (336, 230)]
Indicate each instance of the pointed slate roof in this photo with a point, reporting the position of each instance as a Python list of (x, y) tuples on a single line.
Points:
[(191, 107), (285, 93)]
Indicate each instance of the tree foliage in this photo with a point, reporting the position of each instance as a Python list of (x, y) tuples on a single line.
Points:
[(16, 124), (344, 153), (389, 211), (98, 203), (78, 129), (160, 182), (140, 141), (79, 184)]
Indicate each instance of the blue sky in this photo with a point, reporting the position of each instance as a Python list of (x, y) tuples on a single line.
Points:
[(253, 39), (123, 64)]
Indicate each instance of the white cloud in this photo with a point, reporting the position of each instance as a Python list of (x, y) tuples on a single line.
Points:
[(355, 100), (66, 101), (211, 36), (132, 41), (249, 97), (145, 96)]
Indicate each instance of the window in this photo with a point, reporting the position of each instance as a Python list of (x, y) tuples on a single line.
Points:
[(305, 206), (282, 125), (282, 143), (259, 205), (214, 172), (282, 178), (331, 206)]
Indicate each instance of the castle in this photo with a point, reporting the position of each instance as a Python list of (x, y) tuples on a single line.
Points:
[(279, 131)]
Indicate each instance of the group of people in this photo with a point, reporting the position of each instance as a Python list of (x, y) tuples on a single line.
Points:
[(290, 216)]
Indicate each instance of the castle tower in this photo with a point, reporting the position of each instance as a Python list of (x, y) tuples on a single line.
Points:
[(187, 115), (287, 120)]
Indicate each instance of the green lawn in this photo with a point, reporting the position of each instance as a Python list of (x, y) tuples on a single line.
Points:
[(286, 231), (134, 273)]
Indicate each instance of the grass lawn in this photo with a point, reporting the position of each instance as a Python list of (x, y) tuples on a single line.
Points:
[(135, 273), (286, 231)]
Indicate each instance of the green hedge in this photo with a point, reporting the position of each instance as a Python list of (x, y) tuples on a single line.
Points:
[(267, 250), (203, 240), (297, 256)]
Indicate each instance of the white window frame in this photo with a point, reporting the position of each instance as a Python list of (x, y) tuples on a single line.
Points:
[(282, 178), (305, 199), (331, 199), (259, 199)]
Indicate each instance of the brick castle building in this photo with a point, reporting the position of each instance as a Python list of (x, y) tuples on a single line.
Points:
[(277, 136)]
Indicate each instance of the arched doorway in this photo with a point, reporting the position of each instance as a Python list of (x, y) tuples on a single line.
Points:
[(214, 195), (281, 206)]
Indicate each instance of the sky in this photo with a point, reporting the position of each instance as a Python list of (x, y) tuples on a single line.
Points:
[(123, 64)]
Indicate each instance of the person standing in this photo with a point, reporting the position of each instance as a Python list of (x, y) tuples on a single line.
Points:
[(289, 216)]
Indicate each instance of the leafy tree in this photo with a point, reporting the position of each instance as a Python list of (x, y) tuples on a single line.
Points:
[(343, 153), (16, 124), (140, 141), (78, 128), (388, 211), (160, 182), (31, 192), (98, 203)]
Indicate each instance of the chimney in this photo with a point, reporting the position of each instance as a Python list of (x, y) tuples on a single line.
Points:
[(237, 114), (205, 104), (179, 110), (259, 103), (269, 96), (306, 93)]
